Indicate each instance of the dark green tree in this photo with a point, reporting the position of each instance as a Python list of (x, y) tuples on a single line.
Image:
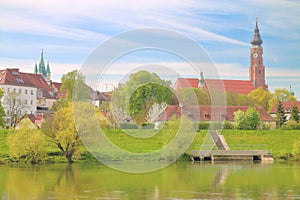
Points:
[(142, 90), (295, 113), (281, 118), (145, 97)]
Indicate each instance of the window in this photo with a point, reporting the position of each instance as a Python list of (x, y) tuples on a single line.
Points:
[(31, 102), (8, 90), (15, 90), (25, 102), (15, 73), (31, 92), (206, 115), (19, 102), (26, 91), (20, 80), (25, 111), (31, 112), (259, 71), (20, 91), (7, 112), (258, 61)]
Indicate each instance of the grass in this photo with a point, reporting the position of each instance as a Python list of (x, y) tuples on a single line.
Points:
[(4, 150), (278, 142)]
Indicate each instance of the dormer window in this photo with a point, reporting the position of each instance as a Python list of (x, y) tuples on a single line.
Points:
[(15, 73), (20, 80), (3, 72)]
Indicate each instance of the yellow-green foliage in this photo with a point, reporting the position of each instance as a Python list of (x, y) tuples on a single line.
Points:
[(27, 143)]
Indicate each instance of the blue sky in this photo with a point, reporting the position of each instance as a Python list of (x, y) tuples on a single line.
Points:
[(69, 31)]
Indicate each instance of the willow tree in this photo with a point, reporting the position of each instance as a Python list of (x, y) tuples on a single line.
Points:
[(60, 128)]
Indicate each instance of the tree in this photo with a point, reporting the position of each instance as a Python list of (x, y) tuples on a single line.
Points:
[(236, 99), (14, 106), (60, 128), (249, 120), (146, 96), (295, 113), (27, 143), (202, 96), (280, 116), (127, 98), (260, 97), (74, 80), (280, 95), (2, 112)]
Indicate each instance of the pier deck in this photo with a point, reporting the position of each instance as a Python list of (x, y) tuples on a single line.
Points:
[(198, 155)]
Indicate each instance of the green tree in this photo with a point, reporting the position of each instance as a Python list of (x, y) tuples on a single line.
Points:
[(236, 99), (249, 120), (2, 112), (202, 96), (60, 128), (27, 143), (260, 97), (126, 98), (146, 96), (280, 116), (280, 95), (74, 80), (252, 118), (295, 113)]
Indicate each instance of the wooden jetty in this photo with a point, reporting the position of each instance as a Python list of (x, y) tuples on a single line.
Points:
[(225, 154)]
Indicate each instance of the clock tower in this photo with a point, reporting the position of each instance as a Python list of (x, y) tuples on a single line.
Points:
[(257, 68)]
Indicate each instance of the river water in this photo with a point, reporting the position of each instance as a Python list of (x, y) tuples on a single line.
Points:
[(178, 181)]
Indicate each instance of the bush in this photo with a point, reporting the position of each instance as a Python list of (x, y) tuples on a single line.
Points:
[(228, 125), (292, 125), (203, 126), (147, 126), (128, 126), (27, 143)]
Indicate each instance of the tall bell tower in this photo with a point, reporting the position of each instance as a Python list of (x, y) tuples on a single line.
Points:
[(257, 68)]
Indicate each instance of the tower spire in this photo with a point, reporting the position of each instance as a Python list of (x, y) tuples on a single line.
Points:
[(256, 39)]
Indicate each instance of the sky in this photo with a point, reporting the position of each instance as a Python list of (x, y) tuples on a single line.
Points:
[(69, 31)]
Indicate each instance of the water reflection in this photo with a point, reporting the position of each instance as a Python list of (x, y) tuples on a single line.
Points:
[(179, 181)]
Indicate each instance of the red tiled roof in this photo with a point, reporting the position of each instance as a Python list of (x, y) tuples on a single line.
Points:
[(286, 106), (209, 113), (14, 77), (238, 86), (107, 95)]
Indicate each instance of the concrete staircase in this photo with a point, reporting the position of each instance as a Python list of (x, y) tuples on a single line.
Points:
[(219, 140)]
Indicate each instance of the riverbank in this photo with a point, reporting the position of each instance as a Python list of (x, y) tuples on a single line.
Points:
[(279, 142)]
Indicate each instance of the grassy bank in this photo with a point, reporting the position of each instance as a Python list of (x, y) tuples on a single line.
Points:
[(278, 142)]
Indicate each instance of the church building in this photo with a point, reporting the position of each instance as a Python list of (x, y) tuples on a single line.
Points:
[(256, 73)]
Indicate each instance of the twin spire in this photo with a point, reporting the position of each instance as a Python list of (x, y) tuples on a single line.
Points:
[(42, 68)]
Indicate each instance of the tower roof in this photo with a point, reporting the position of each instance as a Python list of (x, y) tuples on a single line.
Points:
[(256, 39)]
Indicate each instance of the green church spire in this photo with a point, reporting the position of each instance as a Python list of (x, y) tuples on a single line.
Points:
[(35, 69)]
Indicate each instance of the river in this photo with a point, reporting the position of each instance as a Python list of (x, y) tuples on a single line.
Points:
[(178, 181)]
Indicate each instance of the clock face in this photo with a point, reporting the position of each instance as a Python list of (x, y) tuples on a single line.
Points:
[(255, 55)]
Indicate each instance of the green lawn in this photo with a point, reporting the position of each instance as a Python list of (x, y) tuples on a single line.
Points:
[(278, 142), (4, 151)]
